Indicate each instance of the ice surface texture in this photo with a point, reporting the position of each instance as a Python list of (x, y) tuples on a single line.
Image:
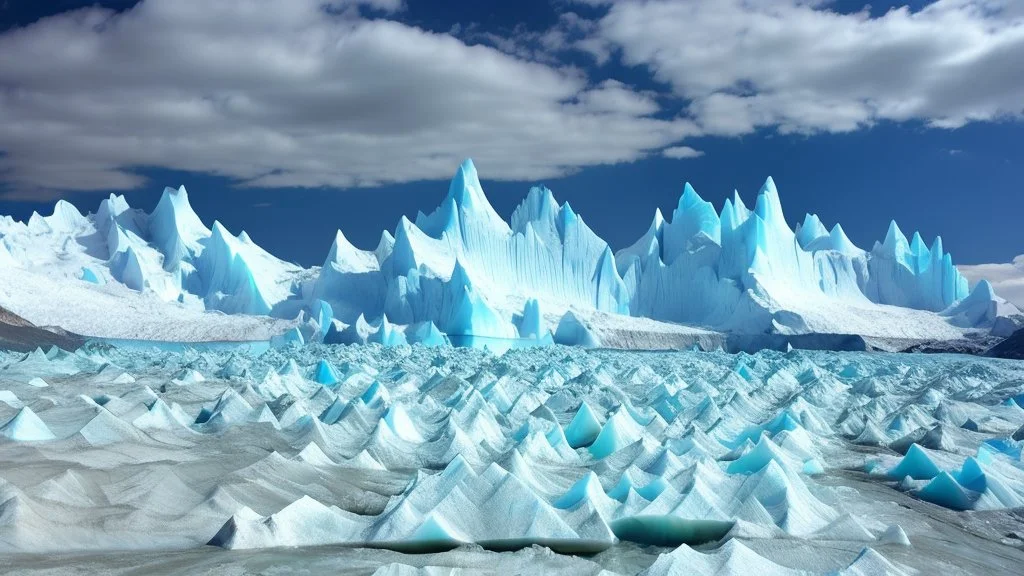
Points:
[(477, 278), (704, 456)]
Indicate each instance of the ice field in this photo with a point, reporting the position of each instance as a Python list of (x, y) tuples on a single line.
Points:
[(389, 460)]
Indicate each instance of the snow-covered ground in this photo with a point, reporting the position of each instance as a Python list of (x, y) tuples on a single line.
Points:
[(654, 462), (115, 311)]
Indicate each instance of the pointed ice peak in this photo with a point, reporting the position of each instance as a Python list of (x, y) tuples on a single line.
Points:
[(344, 257), (606, 267), (567, 218), (174, 202), (228, 278), (112, 205), (842, 243), (450, 223), (917, 245), (465, 185), (739, 205), (689, 197), (587, 488), (220, 232), (658, 220), (26, 426), (937, 252), (810, 230), (812, 221), (468, 194), (65, 216), (983, 292), (728, 215), (110, 208), (654, 230), (37, 224), (895, 243), (403, 255), (695, 223), (175, 227), (444, 219), (404, 230), (339, 247), (566, 212), (62, 206), (538, 206), (384, 246), (646, 247), (769, 206), (243, 236)]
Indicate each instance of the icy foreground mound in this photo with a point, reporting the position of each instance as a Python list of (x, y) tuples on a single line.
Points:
[(697, 462), (463, 275)]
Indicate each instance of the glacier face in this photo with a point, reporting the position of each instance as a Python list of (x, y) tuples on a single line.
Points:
[(467, 274), (639, 456), (746, 270)]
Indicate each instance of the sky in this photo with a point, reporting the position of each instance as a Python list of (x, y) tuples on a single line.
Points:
[(292, 119)]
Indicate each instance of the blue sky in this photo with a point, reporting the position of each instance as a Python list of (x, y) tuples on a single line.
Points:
[(293, 121)]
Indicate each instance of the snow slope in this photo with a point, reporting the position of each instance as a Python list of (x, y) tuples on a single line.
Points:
[(115, 311)]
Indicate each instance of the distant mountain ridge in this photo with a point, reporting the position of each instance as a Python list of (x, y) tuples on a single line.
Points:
[(20, 335)]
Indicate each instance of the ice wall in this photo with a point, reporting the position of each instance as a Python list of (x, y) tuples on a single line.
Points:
[(463, 271), (745, 270)]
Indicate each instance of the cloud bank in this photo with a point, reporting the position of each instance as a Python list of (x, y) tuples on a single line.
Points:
[(302, 93), (797, 66), (290, 93)]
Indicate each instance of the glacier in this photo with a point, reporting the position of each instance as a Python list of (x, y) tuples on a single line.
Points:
[(457, 398), (463, 275), (392, 459)]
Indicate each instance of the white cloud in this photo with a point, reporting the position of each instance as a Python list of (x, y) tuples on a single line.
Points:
[(681, 152), (796, 66), (286, 93), (1006, 279)]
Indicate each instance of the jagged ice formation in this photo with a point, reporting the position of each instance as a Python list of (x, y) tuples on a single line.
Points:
[(462, 274)]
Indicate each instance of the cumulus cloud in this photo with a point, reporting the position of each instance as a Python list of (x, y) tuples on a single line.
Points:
[(1006, 279), (296, 93), (799, 66)]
